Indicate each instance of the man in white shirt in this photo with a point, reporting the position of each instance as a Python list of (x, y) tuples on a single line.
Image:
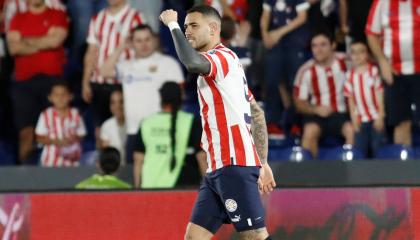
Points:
[(141, 78)]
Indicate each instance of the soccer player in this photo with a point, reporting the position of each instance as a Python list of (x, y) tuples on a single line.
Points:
[(237, 161)]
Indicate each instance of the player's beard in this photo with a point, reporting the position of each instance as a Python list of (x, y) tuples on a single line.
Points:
[(200, 47)]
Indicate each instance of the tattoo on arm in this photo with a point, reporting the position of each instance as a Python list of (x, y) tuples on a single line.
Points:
[(259, 131)]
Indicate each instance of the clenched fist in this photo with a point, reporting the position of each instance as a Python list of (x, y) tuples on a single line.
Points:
[(168, 16)]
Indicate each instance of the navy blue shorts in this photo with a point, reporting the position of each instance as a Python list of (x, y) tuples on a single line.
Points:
[(229, 195)]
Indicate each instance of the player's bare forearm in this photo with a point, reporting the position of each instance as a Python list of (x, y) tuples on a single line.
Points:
[(192, 60), (259, 131), (53, 39), (137, 168)]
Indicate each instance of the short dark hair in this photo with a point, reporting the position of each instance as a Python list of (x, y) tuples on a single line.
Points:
[(141, 27), (109, 160), (360, 41), (228, 28), (324, 33), (60, 83), (206, 11)]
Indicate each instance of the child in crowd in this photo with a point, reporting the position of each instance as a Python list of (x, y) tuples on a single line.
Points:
[(364, 91), (60, 129)]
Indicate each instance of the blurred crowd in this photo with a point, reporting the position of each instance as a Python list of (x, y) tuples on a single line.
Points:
[(81, 76)]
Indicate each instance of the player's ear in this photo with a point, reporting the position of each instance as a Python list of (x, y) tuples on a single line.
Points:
[(213, 28)]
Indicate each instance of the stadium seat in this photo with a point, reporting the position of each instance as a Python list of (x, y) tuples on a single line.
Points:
[(395, 152), (345, 152), (293, 154), (7, 156), (331, 142), (281, 143)]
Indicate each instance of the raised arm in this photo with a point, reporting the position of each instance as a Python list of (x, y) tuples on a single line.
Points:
[(192, 60)]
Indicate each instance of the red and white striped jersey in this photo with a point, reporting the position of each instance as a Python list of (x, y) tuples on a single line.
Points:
[(51, 125), (398, 23), (322, 86), (364, 87), (107, 32), (226, 112), (12, 7)]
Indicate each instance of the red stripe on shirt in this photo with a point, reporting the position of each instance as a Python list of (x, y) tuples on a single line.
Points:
[(315, 86), (111, 28), (394, 20), (48, 149), (136, 20), (331, 86), (229, 52), (206, 127), (121, 24), (362, 94), (101, 28), (374, 98), (221, 122), (416, 35), (224, 63), (239, 145), (54, 123), (372, 13)]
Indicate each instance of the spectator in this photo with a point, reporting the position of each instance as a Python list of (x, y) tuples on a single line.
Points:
[(319, 94), (166, 140), (108, 164), (353, 17), (235, 38), (150, 11), (60, 129), (141, 79), (107, 31), (392, 31), (255, 72), (12, 7), (35, 40), (235, 9), (285, 36), (322, 16), (113, 131), (363, 88)]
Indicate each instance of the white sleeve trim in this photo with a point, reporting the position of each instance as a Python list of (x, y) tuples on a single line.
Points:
[(173, 25), (302, 7), (267, 7)]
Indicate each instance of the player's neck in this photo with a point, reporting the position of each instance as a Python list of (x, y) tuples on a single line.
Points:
[(37, 8), (114, 9), (167, 108), (210, 46)]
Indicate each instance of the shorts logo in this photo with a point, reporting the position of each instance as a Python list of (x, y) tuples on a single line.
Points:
[(231, 205), (237, 218)]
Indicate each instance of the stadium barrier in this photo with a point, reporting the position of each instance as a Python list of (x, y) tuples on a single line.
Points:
[(322, 213)]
